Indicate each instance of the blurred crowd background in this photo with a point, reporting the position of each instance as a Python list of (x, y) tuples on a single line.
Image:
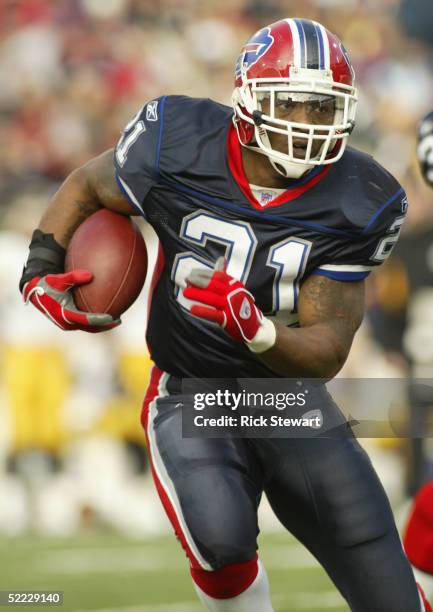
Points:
[(72, 73)]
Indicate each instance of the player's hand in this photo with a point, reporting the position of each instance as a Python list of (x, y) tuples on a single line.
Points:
[(52, 295), (229, 304)]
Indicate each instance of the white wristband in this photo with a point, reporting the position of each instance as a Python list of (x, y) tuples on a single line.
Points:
[(265, 337)]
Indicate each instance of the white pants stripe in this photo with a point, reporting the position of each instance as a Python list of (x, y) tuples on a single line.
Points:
[(161, 473)]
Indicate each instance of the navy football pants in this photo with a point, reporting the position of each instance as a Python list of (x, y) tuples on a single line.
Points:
[(323, 490)]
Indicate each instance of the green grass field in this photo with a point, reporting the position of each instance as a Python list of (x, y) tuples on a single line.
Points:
[(108, 572)]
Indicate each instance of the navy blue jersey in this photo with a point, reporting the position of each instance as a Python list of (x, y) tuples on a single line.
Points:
[(179, 162)]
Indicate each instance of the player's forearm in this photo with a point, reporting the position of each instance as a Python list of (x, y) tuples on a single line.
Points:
[(310, 352), (69, 207), (87, 189), (330, 312)]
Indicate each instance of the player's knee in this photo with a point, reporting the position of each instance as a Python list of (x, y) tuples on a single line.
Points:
[(227, 552), (357, 525), (228, 581), (352, 504), (360, 533)]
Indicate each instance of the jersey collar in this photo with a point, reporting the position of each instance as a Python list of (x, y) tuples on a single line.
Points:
[(295, 190)]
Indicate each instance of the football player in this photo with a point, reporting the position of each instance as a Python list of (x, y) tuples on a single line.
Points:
[(269, 188), (418, 537)]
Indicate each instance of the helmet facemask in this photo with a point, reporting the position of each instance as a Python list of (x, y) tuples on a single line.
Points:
[(308, 144)]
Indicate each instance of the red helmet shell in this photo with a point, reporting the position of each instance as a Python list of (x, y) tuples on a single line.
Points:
[(272, 52)]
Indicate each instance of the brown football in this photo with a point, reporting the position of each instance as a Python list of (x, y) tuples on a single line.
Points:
[(112, 247)]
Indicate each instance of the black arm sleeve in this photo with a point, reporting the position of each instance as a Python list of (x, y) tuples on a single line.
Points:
[(46, 256)]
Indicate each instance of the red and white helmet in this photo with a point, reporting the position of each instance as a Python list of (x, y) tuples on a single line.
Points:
[(301, 58)]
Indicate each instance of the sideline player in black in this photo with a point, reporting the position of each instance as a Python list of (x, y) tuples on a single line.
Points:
[(402, 321), (269, 187), (415, 256)]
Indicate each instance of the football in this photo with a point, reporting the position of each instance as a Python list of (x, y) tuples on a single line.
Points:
[(112, 247)]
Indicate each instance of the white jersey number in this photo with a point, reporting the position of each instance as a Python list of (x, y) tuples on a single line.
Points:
[(129, 135), (387, 243), (288, 258)]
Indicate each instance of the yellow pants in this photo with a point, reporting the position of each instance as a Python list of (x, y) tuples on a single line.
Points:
[(36, 383), (122, 415)]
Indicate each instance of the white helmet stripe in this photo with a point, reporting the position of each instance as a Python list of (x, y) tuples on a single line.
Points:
[(321, 46), (323, 38), (296, 43)]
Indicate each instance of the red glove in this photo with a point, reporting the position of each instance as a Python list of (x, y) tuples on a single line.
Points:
[(229, 304), (52, 295)]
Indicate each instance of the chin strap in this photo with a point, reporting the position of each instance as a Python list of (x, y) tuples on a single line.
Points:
[(289, 169)]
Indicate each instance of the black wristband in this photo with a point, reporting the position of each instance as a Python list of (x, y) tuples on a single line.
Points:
[(46, 256)]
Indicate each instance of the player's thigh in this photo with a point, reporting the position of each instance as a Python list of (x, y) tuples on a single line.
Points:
[(212, 487), (328, 495)]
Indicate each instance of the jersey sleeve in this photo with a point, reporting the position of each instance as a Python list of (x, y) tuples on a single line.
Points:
[(136, 155), (353, 259)]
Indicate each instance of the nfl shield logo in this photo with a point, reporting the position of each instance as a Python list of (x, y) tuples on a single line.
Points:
[(265, 197), (152, 111)]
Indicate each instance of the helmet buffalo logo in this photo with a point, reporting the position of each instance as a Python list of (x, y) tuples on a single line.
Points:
[(254, 49)]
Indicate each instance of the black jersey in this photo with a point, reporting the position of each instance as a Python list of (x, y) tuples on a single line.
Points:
[(403, 320), (179, 162), (415, 252)]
